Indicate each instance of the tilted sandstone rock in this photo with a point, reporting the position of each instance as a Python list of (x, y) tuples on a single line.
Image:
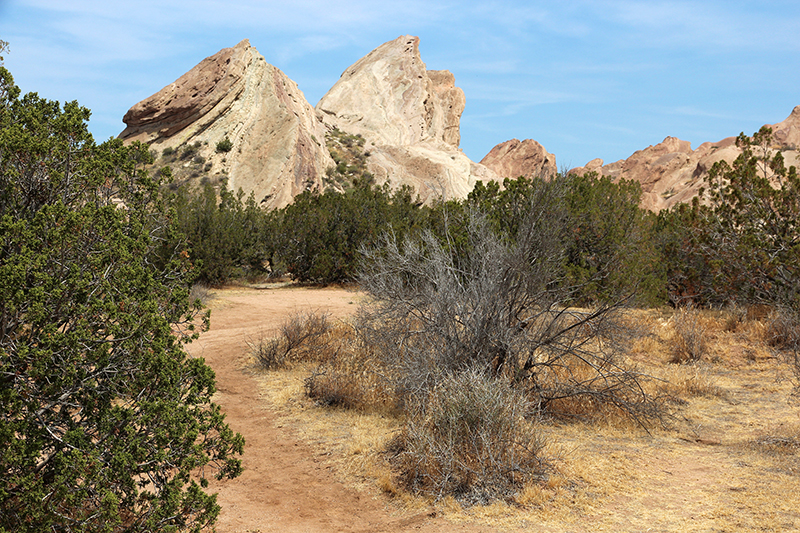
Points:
[(409, 117), (278, 142), (516, 158), (787, 132), (671, 172)]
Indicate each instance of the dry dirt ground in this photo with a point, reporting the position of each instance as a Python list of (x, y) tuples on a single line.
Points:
[(287, 484), (730, 461)]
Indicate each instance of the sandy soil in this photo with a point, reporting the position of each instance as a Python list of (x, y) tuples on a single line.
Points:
[(704, 474), (286, 485)]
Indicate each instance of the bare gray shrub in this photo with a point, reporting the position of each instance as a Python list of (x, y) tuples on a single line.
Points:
[(469, 438), (783, 334), (301, 339), (500, 307), (690, 342)]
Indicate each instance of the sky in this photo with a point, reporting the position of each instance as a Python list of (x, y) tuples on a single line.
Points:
[(586, 79)]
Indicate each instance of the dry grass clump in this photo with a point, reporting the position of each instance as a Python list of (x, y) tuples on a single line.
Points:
[(783, 444), (783, 330), (349, 379), (580, 388), (200, 292), (689, 381), (783, 334), (469, 439), (345, 376), (690, 342), (303, 337)]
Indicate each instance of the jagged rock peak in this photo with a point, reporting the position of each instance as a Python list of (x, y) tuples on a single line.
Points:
[(389, 96), (410, 119), (516, 158), (277, 142), (191, 96), (787, 132)]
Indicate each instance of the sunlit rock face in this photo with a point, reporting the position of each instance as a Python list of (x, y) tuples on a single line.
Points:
[(515, 158), (278, 143), (670, 172), (410, 118)]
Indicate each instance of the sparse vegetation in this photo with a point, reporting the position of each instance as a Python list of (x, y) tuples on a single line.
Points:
[(189, 151), (580, 466), (224, 146), (301, 340), (347, 151)]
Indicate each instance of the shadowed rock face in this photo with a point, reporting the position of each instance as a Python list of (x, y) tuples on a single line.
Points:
[(671, 172), (516, 158), (278, 142), (410, 118)]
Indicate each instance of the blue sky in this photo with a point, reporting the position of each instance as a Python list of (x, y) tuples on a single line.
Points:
[(586, 79)]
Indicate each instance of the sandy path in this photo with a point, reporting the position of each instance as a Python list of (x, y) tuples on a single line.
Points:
[(284, 487)]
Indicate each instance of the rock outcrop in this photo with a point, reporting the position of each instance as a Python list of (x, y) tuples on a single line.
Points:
[(409, 117), (516, 158), (787, 132), (277, 140), (671, 172)]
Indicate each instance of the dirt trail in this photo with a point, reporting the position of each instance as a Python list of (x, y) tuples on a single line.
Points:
[(670, 481), (285, 486)]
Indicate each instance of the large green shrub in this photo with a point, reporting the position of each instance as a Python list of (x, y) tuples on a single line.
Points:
[(225, 234), (104, 419), (741, 243), (607, 240), (318, 237)]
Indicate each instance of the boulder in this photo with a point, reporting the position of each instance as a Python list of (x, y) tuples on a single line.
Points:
[(516, 158)]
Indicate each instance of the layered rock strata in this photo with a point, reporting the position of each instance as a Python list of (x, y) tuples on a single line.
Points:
[(277, 141), (409, 117)]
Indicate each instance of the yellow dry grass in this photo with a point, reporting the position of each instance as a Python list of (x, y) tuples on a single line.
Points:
[(728, 461)]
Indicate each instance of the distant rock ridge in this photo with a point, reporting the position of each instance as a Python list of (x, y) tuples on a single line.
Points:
[(670, 172), (408, 115)]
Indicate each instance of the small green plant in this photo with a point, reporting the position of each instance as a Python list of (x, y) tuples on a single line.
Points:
[(189, 151), (225, 145), (168, 151)]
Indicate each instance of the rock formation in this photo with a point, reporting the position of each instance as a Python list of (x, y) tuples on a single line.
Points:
[(277, 140), (516, 158), (409, 117), (671, 172)]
